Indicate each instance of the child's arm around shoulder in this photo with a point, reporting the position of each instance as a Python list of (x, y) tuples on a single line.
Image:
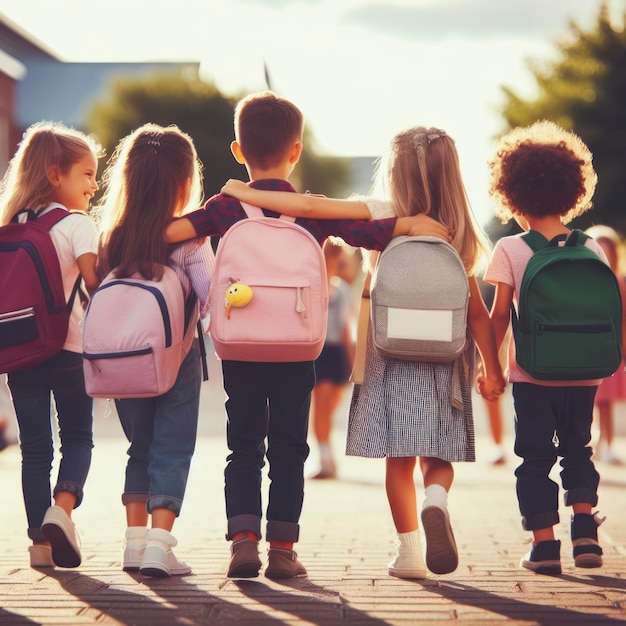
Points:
[(180, 229), (297, 204), (420, 224)]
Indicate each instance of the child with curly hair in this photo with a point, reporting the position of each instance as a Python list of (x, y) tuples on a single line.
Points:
[(542, 176)]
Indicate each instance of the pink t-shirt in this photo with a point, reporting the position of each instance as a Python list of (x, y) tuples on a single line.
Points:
[(510, 257)]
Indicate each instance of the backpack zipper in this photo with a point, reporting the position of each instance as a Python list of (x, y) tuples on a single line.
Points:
[(572, 328), (300, 308)]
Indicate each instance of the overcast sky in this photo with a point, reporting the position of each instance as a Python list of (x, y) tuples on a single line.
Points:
[(360, 71)]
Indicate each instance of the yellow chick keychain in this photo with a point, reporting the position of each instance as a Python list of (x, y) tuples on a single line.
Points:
[(237, 295)]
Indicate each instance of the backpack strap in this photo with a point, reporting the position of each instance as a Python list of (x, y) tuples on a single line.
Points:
[(536, 240), (255, 211), (576, 237), (50, 218), (190, 308), (47, 221)]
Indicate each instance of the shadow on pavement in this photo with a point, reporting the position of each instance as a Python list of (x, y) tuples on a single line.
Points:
[(178, 601), (517, 610), (14, 619), (311, 609)]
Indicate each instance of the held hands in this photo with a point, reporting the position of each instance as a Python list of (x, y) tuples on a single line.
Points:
[(490, 389)]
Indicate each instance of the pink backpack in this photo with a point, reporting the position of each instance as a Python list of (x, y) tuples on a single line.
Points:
[(134, 337), (34, 315), (281, 266)]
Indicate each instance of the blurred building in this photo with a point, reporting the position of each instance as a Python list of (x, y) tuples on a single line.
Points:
[(36, 84)]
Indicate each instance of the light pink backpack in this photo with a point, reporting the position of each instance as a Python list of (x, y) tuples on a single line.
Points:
[(134, 337), (283, 266)]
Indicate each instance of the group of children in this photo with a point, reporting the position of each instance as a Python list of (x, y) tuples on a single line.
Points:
[(403, 411)]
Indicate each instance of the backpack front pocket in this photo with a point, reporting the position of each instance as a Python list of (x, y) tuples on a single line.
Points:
[(18, 327), (575, 351)]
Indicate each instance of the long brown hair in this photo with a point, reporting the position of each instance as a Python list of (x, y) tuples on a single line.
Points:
[(144, 184), (45, 147)]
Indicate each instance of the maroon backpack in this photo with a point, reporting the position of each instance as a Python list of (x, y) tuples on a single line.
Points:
[(34, 315)]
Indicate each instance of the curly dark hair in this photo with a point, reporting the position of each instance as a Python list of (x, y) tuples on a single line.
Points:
[(542, 170)]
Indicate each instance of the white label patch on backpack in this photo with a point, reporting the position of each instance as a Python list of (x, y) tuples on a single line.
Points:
[(419, 299), (419, 324)]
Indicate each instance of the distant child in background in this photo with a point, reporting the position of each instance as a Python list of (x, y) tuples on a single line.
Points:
[(270, 402), (153, 177), (55, 166), (542, 177), (612, 389), (405, 409), (334, 364)]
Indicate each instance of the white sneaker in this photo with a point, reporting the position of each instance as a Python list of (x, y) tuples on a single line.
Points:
[(158, 559), (159, 563), (135, 542), (40, 555), (59, 530), (409, 562)]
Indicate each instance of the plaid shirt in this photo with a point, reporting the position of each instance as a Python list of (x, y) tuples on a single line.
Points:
[(220, 212)]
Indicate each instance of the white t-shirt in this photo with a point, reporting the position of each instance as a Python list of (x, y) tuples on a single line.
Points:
[(72, 237)]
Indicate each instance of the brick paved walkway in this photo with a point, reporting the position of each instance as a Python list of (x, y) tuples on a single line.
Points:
[(347, 539)]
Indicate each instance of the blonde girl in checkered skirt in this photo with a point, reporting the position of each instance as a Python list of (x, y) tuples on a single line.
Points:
[(407, 410)]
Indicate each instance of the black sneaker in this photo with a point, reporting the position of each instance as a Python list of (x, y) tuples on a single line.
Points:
[(544, 558), (584, 533)]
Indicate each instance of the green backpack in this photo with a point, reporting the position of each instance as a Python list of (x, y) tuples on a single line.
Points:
[(568, 321)]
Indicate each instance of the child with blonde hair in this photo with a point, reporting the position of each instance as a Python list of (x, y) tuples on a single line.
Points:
[(55, 167), (153, 177), (542, 176), (404, 410)]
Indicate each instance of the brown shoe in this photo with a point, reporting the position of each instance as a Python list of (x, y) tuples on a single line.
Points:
[(284, 563), (244, 560)]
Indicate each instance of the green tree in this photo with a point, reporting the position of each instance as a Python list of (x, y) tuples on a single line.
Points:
[(199, 109), (584, 90)]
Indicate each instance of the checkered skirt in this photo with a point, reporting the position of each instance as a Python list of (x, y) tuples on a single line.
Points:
[(404, 409)]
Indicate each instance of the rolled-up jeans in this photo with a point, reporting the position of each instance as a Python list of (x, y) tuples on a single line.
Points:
[(62, 378), (162, 434)]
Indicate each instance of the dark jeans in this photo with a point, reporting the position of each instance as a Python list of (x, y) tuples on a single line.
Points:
[(62, 376), (552, 422), (266, 400), (162, 435)]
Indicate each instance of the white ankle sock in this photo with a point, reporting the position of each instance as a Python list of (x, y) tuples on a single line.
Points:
[(136, 534), (162, 538), (409, 542), (435, 495)]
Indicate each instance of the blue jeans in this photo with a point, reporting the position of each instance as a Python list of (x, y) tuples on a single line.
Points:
[(552, 422), (62, 376), (162, 434), (266, 400)]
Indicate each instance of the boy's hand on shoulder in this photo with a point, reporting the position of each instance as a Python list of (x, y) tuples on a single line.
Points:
[(490, 389), (423, 225), (235, 188)]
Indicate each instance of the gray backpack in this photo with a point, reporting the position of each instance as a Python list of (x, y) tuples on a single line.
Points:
[(419, 300)]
